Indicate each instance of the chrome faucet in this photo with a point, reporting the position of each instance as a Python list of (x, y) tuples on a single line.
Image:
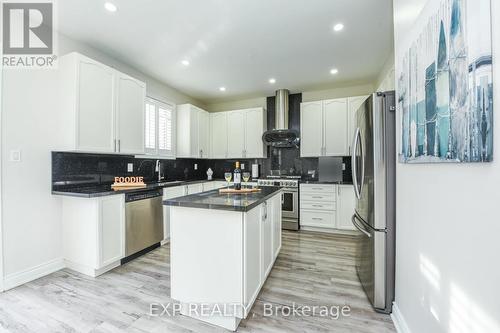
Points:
[(158, 169)]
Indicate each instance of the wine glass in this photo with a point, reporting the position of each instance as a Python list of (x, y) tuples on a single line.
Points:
[(228, 176), (246, 177)]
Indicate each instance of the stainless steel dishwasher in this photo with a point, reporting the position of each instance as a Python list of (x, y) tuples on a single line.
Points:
[(143, 220)]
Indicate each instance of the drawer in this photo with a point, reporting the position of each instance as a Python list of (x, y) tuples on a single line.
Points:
[(317, 219), (311, 205), (323, 197), (318, 188)]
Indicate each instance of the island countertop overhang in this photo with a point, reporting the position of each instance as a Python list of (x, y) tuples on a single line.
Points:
[(222, 201)]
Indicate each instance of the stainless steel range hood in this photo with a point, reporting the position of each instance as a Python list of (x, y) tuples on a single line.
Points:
[(281, 136)]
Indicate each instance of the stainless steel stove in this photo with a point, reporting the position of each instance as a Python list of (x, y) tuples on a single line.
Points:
[(289, 198)]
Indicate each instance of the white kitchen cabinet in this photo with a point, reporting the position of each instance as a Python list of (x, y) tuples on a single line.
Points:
[(346, 207), (335, 122), (235, 134), (93, 233), (318, 206), (276, 213), (203, 134), (354, 104), (266, 234), (192, 132), (327, 207), (324, 128), (219, 135), (194, 188), (254, 128), (311, 129), (131, 94), (170, 193), (244, 130), (101, 109)]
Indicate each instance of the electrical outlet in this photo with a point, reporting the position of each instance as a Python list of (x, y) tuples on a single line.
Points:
[(130, 167), (343, 166), (196, 166), (15, 156), (242, 166)]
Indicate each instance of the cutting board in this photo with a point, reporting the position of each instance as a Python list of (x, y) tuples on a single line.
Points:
[(235, 191), (127, 186)]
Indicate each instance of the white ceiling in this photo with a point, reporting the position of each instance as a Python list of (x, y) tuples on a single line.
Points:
[(238, 44)]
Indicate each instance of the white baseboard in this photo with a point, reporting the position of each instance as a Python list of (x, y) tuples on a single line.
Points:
[(19, 278), (399, 320)]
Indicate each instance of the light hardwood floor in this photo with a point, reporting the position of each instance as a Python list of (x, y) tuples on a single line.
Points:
[(312, 269)]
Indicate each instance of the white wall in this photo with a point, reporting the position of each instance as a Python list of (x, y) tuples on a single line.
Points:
[(307, 96), (447, 270), (31, 216), (237, 105), (387, 80)]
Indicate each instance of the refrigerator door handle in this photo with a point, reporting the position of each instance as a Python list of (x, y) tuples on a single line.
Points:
[(357, 189), (366, 225), (353, 220)]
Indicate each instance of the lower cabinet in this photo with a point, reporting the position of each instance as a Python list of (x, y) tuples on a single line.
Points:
[(170, 193), (346, 207), (262, 243), (93, 233), (194, 188), (326, 207)]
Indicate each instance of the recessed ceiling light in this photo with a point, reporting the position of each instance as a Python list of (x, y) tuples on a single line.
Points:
[(110, 7), (222, 88), (185, 62), (334, 71), (338, 27), (272, 81)]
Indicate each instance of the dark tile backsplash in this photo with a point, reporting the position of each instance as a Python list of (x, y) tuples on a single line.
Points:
[(77, 169)]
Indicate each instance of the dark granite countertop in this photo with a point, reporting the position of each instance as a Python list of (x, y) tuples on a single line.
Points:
[(233, 202), (105, 190)]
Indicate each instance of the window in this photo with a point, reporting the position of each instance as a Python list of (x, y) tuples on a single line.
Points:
[(159, 130)]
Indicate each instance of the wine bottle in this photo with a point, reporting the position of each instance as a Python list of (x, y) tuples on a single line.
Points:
[(237, 176)]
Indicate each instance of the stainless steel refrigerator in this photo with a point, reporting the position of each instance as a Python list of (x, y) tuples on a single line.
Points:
[(373, 172)]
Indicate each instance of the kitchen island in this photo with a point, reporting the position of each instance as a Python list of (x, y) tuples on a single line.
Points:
[(223, 247)]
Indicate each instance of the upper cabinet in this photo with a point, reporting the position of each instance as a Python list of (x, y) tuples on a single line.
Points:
[(238, 134), (326, 126), (218, 137), (192, 132), (311, 129), (130, 97), (102, 110), (335, 127), (255, 125)]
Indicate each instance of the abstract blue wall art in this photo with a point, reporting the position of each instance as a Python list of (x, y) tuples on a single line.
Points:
[(445, 87)]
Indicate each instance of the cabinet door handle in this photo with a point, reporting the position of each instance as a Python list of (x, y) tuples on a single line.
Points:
[(317, 205), (119, 146), (318, 188), (317, 218), (317, 197), (114, 145)]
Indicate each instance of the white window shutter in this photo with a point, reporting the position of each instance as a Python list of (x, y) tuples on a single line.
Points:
[(159, 128)]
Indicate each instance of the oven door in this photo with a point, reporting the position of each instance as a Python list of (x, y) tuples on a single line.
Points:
[(290, 203)]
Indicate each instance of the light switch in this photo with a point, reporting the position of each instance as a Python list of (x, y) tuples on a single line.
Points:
[(15, 156), (242, 166), (343, 166), (130, 167), (196, 166)]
